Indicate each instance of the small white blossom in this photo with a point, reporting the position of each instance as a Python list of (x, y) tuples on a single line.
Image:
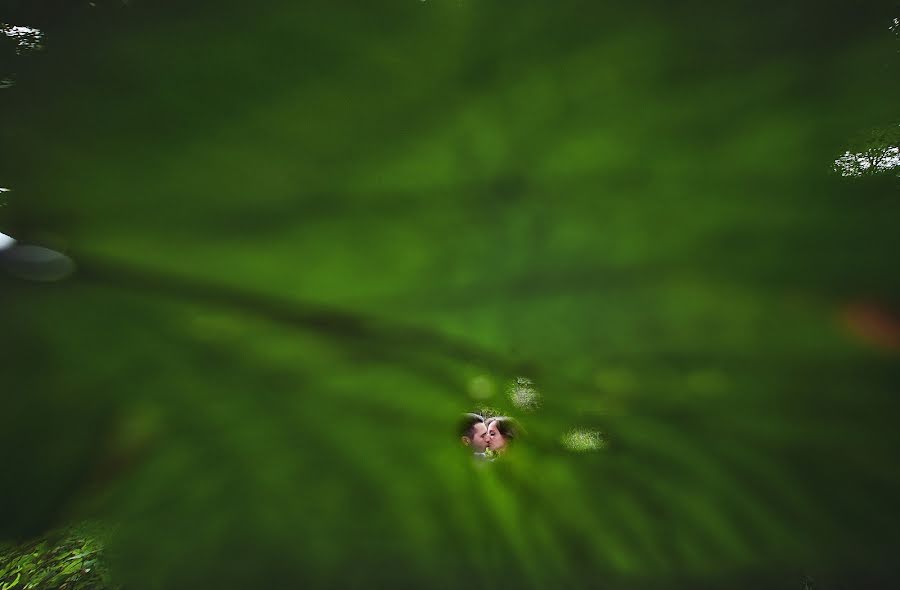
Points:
[(523, 395), (583, 441)]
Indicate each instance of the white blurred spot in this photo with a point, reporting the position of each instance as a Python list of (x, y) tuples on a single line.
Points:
[(523, 395), (36, 263), (6, 241), (857, 164), (583, 441), (27, 38)]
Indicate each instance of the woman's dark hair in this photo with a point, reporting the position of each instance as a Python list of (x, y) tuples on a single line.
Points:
[(507, 426), (467, 424)]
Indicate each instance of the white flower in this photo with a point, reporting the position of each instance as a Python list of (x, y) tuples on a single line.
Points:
[(582, 441), (523, 395)]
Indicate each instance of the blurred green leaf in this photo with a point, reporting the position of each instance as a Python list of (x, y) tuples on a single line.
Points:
[(307, 236)]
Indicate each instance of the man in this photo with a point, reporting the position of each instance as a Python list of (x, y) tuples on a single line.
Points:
[(473, 433)]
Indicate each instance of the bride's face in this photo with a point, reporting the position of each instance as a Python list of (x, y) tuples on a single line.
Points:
[(495, 439)]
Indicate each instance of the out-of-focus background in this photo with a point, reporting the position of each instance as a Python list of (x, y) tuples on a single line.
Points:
[(266, 254)]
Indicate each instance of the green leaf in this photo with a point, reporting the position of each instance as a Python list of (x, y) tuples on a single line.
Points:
[(9, 585), (308, 235)]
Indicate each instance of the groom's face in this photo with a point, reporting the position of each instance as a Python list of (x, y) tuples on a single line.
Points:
[(478, 441)]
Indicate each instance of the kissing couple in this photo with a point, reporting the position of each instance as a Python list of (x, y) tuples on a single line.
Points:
[(488, 438)]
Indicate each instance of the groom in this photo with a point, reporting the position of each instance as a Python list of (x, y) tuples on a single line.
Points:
[(473, 433)]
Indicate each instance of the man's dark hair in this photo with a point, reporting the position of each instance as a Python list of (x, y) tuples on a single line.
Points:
[(467, 424)]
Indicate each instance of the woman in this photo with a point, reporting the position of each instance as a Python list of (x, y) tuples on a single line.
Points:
[(501, 431)]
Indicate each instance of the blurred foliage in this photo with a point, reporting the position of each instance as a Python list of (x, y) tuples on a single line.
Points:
[(309, 235), (875, 152), (68, 559)]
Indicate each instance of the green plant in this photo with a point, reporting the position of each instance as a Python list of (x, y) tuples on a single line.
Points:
[(68, 559)]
